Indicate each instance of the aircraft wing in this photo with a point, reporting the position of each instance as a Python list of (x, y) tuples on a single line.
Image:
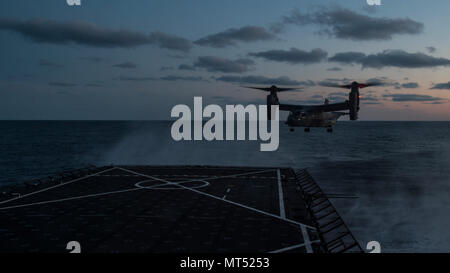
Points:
[(315, 108)]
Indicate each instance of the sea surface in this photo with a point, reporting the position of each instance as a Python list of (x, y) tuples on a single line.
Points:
[(400, 171)]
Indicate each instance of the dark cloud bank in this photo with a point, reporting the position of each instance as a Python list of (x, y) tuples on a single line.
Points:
[(410, 85), (442, 86), (390, 58), (431, 49), (347, 24), (50, 31), (293, 56), (230, 36), (411, 97)]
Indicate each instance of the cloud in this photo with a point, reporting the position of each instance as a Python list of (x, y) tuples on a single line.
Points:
[(380, 81), (402, 59), (347, 57), (347, 24), (126, 65), (390, 58), (431, 49), (49, 31), (370, 9), (83, 33), (62, 84), (332, 81), (338, 94), (334, 69), (230, 36), (136, 79), (168, 41), (293, 56), (182, 78), (369, 99), (442, 86), (277, 27), (411, 97), (283, 80), (43, 62), (217, 64), (410, 85), (186, 67), (164, 78)]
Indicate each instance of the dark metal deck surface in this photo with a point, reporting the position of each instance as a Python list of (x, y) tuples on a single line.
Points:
[(160, 209)]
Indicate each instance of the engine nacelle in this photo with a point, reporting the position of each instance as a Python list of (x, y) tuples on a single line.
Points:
[(353, 101), (272, 99)]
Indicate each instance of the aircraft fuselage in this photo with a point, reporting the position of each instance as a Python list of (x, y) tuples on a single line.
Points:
[(318, 119)]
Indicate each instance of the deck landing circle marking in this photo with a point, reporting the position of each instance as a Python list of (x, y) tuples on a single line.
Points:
[(173, 185)]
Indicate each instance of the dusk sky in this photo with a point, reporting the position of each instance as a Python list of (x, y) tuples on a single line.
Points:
[(135, 60)]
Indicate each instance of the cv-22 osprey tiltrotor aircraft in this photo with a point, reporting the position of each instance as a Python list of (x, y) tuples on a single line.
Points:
[(323, 115)]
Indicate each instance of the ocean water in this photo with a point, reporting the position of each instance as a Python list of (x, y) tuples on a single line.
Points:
[(400, 171)]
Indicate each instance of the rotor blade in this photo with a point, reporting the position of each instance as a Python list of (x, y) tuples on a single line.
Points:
[(277, 89), (287, 89), (348, 86), (258, 88)]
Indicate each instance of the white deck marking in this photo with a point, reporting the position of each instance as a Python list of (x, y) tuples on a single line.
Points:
[(280, 196), (291, 247), (134, 189), (228, 176), (163, 186), (56, 186), (306, 240), (228, 191), (69, 199), (224, 200), (193, 175)]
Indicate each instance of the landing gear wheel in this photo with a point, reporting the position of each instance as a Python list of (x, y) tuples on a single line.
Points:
[(307, 130), (330, 129), (291, 129)]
